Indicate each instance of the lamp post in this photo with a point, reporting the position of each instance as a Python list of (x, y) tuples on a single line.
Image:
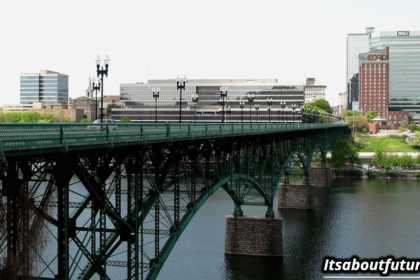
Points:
[(257, 107), (269, 103), (194, 98), (282, 105), (100, 71), (293, 112), (223, 95), (315, 115), (180, 87), (156, 97), (96, 88), (301, 114), (250, 100), (242, 105)]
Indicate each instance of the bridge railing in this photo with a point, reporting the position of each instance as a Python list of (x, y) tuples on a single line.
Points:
[(14, 135)]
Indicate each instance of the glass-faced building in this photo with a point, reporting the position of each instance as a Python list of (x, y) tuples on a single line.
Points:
[(404, 68), (140, 105), (48, 87), (357, 43)]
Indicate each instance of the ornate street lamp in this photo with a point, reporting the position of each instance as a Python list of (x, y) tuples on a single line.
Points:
[(282, 105), (301, 114), (242, 105), (250, 100), (156, 97), (269, 103), (194, 98), (96, 88), (257, 107), (314, 112), (223, 95), (180, 87), (100, 71), (293, 112)]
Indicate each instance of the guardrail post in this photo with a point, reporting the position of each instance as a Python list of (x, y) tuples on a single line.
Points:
[(61, 134), (168, 129), (189, 130), (107, 133)]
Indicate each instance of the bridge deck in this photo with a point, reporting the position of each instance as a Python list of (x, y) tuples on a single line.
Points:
[(18, 139)]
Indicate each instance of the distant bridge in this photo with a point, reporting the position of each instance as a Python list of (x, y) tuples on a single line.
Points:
[(120, 195)]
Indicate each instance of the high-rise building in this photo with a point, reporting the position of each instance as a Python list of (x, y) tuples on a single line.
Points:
[(374, 86), (353, 89), (312, 87), (404, 68), (356, 43), (48, 87)]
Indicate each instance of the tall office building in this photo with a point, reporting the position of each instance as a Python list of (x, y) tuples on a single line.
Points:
[(404, 68), (356, 43), (353, 89), (48, 87)]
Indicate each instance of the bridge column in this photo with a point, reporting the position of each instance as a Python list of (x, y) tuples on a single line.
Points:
[(254, 236), (321, 176), (296, 196)]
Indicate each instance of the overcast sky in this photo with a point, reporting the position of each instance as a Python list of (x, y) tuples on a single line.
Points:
[(285, 40)]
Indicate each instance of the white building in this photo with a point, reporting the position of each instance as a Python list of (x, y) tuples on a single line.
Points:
[(312, 88)]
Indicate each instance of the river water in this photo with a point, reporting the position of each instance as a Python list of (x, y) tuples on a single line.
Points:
[(367, 218)]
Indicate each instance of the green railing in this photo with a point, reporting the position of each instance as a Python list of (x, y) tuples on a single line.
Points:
[(35, 135)]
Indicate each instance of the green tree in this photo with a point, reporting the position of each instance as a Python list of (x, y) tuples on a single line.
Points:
[(407, 160), (378, 157), (109, 109), (360, 122), (412, 127), (322, 104), (342, 151), (371, 115), (415, 142), (125, 120), (395, 160), (85, 120), (60, 118), (349, 113)]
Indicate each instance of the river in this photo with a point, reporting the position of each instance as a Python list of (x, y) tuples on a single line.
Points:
[(367, 218)]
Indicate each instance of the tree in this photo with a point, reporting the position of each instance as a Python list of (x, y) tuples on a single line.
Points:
[(415, 142), (109, 109), (85, 120), (404, 124), (60, 118), (360, 122), (125, 120), (371, 115), (412, 127), (349, 113), (407, 161), (322, 104), (342, 151)]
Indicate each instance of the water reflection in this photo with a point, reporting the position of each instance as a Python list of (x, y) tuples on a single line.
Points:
[(371, 219)]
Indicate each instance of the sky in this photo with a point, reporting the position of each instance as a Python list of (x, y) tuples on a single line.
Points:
[(276, 39)]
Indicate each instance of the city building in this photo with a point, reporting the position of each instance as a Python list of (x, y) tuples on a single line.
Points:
[(356, 43), (86, 104), (374, 86), (312, 87), (48, 87), (22, 107), (140, 106), (73, 114), (404, 68), (353, 89), (343, 100)]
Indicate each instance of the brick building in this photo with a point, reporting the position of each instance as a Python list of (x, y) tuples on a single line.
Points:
[(56, 109), (373, 83), (374, 87)]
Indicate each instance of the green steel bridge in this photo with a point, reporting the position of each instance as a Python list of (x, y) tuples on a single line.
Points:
[(115, 198)]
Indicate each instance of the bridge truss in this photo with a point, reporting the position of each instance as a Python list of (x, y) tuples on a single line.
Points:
[(120, 209)]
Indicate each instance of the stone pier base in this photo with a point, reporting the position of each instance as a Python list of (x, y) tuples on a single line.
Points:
[(321, 176), (254, 236), (296, 196)]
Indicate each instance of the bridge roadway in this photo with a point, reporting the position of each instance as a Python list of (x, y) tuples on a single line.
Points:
[(134, 188)]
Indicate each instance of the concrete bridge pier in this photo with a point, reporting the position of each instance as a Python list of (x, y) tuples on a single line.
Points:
[(296, 196), (254, 236), (321, 176)]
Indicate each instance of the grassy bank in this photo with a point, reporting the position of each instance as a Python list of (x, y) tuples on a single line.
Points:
[(387, 144)]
